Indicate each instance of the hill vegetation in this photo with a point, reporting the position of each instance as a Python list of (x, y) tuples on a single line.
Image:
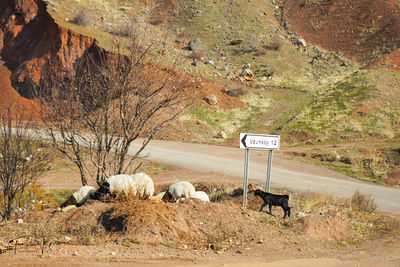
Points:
[(325, 73)]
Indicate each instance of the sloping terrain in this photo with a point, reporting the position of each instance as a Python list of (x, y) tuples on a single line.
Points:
[(30, 39), (363, 30), (341, 87)]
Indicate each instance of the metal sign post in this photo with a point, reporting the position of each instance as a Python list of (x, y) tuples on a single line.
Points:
[(267, 183), (246, 177), (257, 141)]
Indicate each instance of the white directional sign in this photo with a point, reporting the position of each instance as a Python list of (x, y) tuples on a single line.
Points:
[(259, 141)]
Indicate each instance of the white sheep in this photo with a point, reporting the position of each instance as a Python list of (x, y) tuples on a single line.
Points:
[(79, 198), (121, 183), (144, 184), (137, 184), (201, 195), (179, 190)]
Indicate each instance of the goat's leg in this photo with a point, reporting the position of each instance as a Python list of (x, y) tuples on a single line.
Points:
[(270, 209), (286, 210), (263, 205)]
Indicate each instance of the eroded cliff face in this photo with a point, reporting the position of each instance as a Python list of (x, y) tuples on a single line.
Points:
[(32, 45)]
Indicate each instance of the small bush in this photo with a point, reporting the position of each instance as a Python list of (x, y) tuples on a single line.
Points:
[(275, 44), (82, 18), (197, 54), (362, 202)]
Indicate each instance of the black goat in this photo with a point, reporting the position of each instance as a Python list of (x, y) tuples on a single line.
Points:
[(274, 200)]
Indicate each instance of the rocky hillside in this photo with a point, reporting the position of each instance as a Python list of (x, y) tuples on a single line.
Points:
[(316, 72)]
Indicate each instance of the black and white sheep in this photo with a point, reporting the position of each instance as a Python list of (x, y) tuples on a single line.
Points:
[(178, 191), (138, 184), (274, 200), (79, 198)]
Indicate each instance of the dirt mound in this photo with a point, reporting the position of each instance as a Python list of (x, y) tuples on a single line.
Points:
[(363, 30)]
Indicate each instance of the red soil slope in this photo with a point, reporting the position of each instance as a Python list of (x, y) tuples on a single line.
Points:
[(389, 61), (29, 40), (33, 46), (362, 30)]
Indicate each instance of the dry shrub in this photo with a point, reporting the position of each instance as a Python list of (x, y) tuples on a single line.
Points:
[(154, 221), (316, 202), (217, 192), (363, 203), (197, 54), (45, 234), (275, 43), (82, 18)]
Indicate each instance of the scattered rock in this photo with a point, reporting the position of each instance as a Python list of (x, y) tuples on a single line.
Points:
[(154, 231), (195, 63), (221, 135), (209, 62), (216, 74), (20, 221), (211, 100), (75, 254), (113, 253), (247, 74), (68, 208), (239, 252), (195, 44), (67, 238), (236, 41), (301, 214), (301, 42)]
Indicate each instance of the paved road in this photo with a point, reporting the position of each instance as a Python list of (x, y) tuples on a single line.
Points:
[(293, 176)]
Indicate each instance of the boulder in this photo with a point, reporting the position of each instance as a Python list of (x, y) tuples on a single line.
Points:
[(301, 42), (211, 100), (195, 44), (247, 74)]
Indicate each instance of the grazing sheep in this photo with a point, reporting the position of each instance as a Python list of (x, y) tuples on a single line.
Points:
[(274, 200), (79, 198), (139, 183), (201, 195), (144, 184), (179, 190)]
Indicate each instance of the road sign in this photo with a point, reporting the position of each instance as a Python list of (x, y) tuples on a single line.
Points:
[(259, 141)]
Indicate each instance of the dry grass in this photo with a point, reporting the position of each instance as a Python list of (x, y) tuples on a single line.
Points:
[(362, 203)]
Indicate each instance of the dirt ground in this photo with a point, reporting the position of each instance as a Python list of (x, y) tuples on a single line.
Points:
[(189, 234)]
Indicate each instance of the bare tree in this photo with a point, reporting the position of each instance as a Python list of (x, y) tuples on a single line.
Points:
[(110, 100), (21, 160)]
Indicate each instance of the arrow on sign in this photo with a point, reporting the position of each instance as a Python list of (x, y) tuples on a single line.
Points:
[(259, 141), (244, 140)]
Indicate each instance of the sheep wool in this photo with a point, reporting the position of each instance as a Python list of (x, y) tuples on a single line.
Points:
[(144, 185), (79, 198), (83, 194), (201, 195), (181, 190), (121, 183)]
